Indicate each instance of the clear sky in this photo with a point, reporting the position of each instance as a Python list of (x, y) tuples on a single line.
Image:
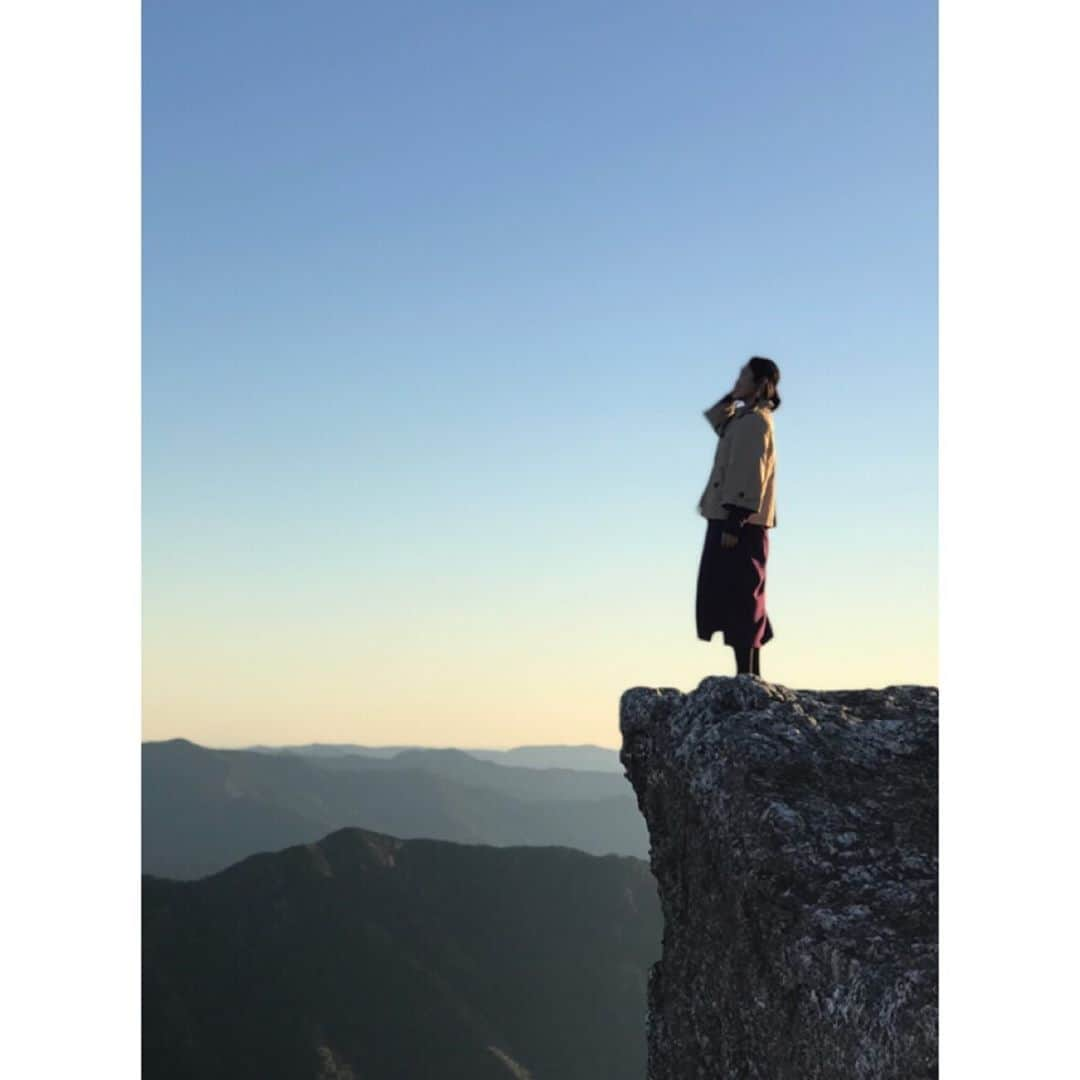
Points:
[(434, 297)]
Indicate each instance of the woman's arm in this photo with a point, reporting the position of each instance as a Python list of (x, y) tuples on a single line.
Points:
[(745, 481), (720, 412)]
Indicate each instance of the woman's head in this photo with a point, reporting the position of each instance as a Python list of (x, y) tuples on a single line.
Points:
[(759, 380)]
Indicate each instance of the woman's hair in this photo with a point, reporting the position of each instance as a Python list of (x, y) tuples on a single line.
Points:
[(763, 368)]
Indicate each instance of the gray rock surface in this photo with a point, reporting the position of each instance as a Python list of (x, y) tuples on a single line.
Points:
[(794, 842)]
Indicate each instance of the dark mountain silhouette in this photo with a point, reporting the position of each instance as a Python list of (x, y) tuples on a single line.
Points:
[(202, 809), (369, 956)]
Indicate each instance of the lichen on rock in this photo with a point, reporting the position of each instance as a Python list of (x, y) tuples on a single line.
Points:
[(794, 843)]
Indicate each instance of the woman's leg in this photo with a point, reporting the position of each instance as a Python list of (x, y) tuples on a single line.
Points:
[(742, 659), (747, 660)]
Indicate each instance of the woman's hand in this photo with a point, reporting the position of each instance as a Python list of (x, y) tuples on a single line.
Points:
[(733, 524)]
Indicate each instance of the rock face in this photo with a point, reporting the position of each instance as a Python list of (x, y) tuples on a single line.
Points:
[(794, 842)]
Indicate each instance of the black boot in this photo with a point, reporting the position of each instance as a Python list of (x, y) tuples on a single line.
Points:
[(742, 659), (755, 661)]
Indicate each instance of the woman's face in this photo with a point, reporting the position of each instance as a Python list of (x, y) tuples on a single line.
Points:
[(744, 385)]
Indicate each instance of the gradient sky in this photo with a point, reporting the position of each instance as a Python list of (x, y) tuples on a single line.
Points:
[(434, 296)]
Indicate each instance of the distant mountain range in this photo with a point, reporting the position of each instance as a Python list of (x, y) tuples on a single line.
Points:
[(204, 809), (366, 956), (586, 756)]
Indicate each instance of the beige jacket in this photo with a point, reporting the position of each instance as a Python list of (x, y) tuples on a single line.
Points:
[(744, 467)]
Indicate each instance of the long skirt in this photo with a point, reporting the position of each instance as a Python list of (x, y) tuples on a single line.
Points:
[(731, 587)]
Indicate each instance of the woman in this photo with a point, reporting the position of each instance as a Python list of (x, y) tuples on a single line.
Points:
[(739, 502)]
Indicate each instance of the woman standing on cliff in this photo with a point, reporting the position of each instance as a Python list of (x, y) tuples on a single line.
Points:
[(739, 502)]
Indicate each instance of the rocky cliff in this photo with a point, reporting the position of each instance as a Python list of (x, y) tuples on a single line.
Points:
[(794, 843)]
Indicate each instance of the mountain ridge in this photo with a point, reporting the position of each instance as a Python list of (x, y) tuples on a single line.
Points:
[(584, 756), (204, 809)]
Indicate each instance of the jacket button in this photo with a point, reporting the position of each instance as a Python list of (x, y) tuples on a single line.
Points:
[(716, 485)]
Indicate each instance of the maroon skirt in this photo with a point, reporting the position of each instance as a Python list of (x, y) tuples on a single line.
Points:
[(731, 587)]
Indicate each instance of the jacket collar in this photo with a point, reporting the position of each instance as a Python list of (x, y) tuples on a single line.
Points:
[(742, 410)]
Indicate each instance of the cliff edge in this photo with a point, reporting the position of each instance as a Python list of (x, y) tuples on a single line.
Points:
[(794, 843)]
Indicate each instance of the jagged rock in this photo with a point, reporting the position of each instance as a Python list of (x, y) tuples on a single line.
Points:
[(794, 843)]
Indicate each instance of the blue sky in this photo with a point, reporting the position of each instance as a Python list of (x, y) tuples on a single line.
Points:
[(434, 296)]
